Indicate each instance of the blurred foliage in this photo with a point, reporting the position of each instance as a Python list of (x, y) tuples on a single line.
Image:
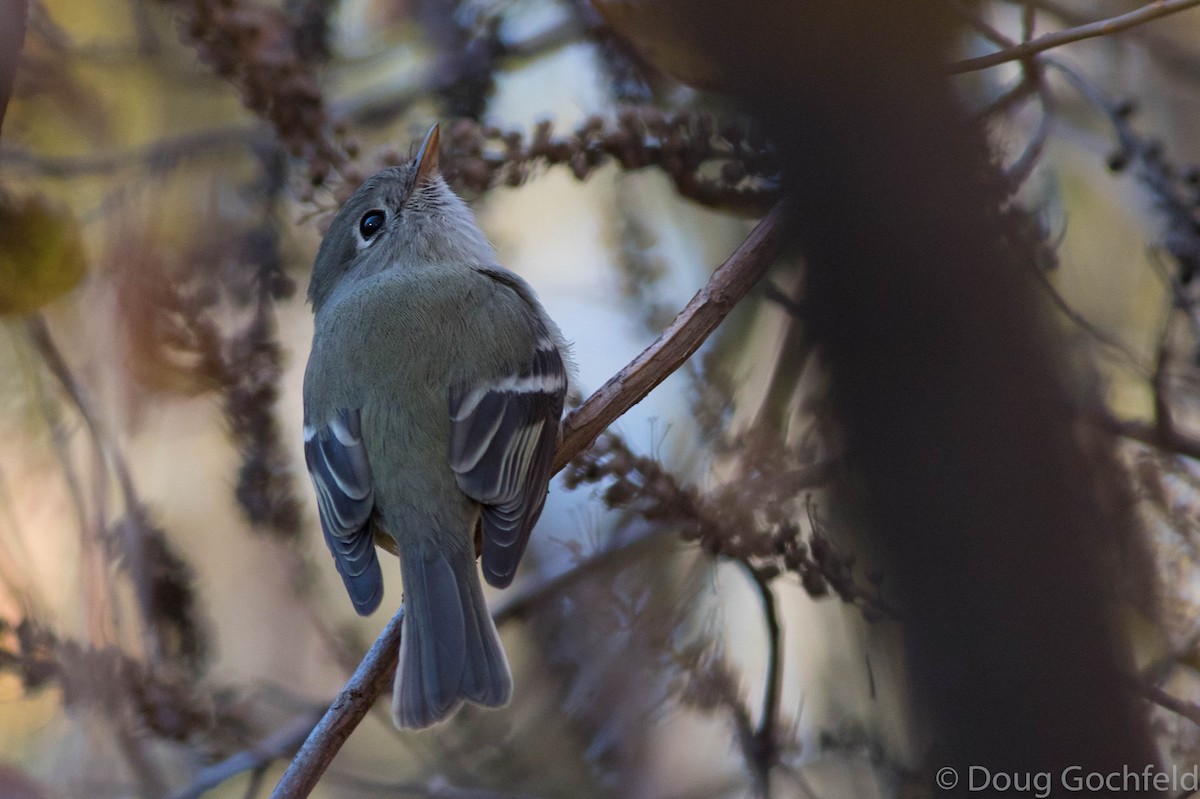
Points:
[(41, 253)]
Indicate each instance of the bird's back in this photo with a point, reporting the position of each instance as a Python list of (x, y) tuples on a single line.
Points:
[(393, 347)]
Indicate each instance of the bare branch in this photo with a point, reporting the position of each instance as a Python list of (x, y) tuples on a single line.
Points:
[(1028, 20), (727, 286), (1173, 55), (371, 678), (1180, 707), (279, 744), (1104, 27), (334, 731), (1083, 323)]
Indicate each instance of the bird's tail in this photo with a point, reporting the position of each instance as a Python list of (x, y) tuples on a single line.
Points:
[(449, 648)]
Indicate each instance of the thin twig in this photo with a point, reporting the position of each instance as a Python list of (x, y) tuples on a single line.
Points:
[(134, 748), (97, 585), (1173, 441), (1157, 670), (727, 286), (1031, 82), (377, 108), (517, 606), (1173, 55), (1028, 20), (1084, 324), (1104, 27), (13, 555), (1010, 98), (1180, 707), (108, 456), (1164, 418), (376, 671), (513, 608), (371, 679), (765, 749), (257, 777), (1020, 169), (39, 333), (1171, 198), (279, 744), (981, 26)]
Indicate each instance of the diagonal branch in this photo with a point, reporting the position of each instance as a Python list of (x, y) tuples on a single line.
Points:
[(370, 679), (727, 286), (1180, 707), (1103, 27), (730, 283)]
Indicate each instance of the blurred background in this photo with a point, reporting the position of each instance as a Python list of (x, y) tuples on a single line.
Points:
[(696, 615)]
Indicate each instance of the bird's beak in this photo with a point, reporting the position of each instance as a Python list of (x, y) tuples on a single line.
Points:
[(427, 157)]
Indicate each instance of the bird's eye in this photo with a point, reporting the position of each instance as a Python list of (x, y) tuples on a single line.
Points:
[(371, 223)]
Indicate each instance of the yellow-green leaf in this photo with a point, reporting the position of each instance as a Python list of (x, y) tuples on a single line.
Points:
[(41, 253)]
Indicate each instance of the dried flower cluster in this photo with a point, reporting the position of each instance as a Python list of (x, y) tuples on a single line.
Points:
[(1176, 191), (166, 588), (256, 48), (310, 28), (752, 519), (178, 339), (253, 366), (265, 489), (163, 703), (709, 683), (723, 164)]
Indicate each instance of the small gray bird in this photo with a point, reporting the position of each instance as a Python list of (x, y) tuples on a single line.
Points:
[(432, 402)]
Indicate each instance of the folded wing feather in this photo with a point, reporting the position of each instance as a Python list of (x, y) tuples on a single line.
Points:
[(337, 464), (502, 440)]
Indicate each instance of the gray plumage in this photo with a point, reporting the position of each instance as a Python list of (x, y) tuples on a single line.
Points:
[(432, 401)]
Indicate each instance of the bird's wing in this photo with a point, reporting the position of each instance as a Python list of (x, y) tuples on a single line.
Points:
[(337, 463), (502, 438)]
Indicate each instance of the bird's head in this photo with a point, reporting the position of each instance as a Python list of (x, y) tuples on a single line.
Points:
[(399, 218)]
